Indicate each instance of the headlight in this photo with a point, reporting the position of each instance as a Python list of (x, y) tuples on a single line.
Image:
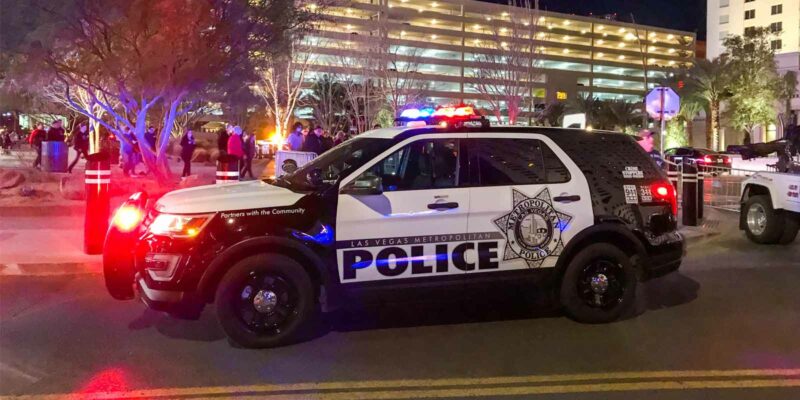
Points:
[(185, 226)]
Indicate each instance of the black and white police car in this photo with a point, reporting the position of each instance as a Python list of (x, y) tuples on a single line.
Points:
[(405, 210)]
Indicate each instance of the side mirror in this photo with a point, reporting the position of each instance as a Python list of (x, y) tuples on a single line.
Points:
[(364, 185)]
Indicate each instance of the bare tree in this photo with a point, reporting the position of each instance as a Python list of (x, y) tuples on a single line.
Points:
[(81, 101), (401, 83), (281, 82), (507, 63), (364, 99)]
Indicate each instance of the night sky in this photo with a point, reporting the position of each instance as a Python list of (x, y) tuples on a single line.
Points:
[(686, 15)]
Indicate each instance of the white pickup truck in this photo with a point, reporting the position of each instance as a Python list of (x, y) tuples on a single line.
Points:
[(770, 210)]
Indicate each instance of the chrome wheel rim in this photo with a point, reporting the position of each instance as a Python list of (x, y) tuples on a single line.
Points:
[(602, 284), (267, 303), (756, 219)]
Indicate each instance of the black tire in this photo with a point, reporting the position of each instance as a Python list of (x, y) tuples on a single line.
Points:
[(293, 294), (578, 295), (773, 223), (791, 225)]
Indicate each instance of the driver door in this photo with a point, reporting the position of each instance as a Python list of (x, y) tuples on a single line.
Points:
[(407, 229)]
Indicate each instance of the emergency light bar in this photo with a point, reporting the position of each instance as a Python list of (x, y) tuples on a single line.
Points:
[(444, 116)]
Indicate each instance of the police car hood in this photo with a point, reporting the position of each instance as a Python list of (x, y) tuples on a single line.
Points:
[(233, 196)]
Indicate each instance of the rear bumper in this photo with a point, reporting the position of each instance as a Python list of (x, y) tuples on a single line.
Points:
[(664, 258)]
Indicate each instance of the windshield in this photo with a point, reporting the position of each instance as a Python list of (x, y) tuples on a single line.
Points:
[(335, 163)]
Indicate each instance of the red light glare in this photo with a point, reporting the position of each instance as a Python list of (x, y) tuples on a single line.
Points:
[(665, 192), (443, 124), (707, 160), (662, 191), (127, 218), (105, 382)]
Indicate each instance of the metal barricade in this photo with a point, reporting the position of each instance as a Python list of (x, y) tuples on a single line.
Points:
[(722, 187), (287, 161)]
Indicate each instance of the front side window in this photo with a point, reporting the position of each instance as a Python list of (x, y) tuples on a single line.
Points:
[(334, 164), (517, 162), (423, 164)]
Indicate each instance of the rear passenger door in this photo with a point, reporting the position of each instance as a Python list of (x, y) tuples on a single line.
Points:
[(527, 201)]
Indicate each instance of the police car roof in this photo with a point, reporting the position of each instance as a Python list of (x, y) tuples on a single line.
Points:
[(404, 132)]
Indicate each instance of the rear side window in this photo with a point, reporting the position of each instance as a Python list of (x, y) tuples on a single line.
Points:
[(516, 162)]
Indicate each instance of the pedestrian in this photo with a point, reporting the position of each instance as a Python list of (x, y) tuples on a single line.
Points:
[(222, 143), (295, 138), (327, 141), (35, 140), (340, 138), (235, 147), (150, 137), (187, 150), (80, 142), (56, 132), (249, 147), (313, 142), (647, 143), (126, 145)]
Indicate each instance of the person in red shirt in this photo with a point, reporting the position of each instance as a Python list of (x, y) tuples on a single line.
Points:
[(235, 146), (35, 140)]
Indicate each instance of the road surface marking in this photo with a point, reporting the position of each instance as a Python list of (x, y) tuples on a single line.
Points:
[(471, 387)]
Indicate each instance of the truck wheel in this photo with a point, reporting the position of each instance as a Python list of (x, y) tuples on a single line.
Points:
[(265, 301), (791, 224), (599, 284), (762, 224)]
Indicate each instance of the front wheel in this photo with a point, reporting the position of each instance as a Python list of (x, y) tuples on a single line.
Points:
[(599, 284), (265, 301), (762, 223)]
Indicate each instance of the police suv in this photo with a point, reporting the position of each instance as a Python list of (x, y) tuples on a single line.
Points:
[(408, 211)]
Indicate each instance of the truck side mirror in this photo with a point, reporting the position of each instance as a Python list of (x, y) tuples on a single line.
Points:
[(364, 185)]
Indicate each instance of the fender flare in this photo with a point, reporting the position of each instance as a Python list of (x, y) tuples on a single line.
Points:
[(602, 228), (225, 260)]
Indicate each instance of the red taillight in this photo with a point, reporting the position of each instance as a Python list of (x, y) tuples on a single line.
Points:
[(707, 160), (127, 218), (665, 192)]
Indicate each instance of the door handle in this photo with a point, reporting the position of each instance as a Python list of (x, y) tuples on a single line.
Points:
[(443, 206), (567, 199)]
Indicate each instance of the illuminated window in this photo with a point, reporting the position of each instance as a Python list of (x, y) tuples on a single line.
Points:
[(561, 95)]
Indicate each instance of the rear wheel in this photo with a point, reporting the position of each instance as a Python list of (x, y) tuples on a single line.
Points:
[(265, 301), (599, 284), (791, 226), (762, 224)]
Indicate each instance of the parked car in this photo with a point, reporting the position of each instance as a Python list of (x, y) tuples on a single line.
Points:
[(699, 156)]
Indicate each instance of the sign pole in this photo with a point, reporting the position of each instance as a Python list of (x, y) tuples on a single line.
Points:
[(663, 124)]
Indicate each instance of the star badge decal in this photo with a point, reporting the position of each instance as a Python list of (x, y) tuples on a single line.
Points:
[(532, 228)]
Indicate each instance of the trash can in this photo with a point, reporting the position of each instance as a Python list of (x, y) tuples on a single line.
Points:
[(54, 156)]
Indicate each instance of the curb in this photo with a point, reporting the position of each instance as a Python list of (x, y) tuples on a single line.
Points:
[(52, 269), (52, 210)]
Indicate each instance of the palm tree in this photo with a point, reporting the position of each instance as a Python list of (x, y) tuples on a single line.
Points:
[(707, 82), (585, 104), (690, 108), (619, 114)]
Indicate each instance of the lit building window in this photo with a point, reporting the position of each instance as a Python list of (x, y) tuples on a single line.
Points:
[(561, 95)]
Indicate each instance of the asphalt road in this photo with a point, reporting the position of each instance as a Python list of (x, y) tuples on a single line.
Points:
[(724, 326)]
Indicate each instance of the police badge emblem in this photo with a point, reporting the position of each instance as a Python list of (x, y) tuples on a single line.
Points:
[(532, 228)]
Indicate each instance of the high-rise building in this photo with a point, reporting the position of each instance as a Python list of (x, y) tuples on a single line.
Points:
[(734, 17), (453, 45)]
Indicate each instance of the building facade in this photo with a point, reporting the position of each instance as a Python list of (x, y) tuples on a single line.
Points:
[(734, 17), (448, 45)]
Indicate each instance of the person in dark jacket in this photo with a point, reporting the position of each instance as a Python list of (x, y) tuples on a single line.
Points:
[(35, 139), (150, 137), (313, 142), (249, 147), (56, 132), (80, 142), (327, 141), (187, 149), (222, 142)]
